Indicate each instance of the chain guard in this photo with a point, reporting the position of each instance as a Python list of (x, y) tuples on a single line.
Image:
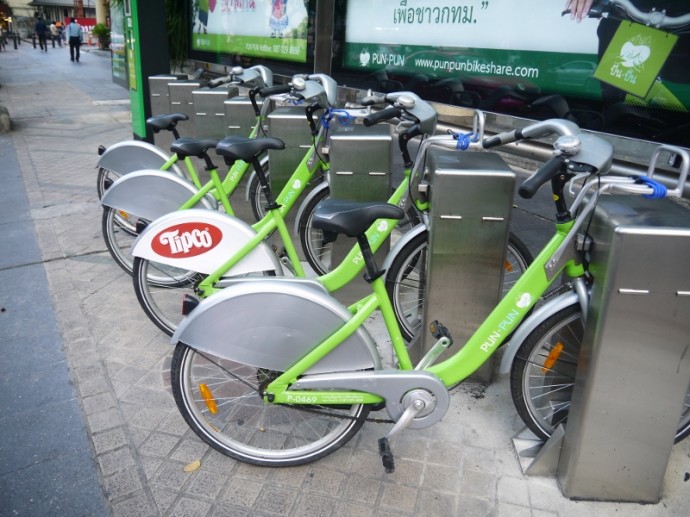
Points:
[(391, 385)]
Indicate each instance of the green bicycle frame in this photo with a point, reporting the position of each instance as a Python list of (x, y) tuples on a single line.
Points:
[(505, 318), (274, 220), (221, 190)]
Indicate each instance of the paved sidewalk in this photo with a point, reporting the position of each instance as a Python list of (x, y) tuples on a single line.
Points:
[(89, 426)]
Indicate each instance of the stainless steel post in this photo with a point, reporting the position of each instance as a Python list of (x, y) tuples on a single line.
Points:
[(634, 367), (471, 199), (209, 110)]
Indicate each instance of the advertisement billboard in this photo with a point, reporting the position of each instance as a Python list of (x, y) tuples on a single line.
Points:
[(465, 52), (271, 29)]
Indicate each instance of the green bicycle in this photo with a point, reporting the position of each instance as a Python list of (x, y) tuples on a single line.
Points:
[(276, 372)]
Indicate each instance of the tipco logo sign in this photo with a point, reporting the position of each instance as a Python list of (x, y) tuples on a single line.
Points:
[(186, 240)]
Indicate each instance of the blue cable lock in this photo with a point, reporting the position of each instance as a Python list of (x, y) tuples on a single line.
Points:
[(658, 189), (342, 115), (464, 140)]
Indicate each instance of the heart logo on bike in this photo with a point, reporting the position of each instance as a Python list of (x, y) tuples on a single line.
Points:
[(186, 240)]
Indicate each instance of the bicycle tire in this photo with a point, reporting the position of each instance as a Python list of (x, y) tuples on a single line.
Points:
[(104, 179), (542, 392), (255, 194), (238, 423), (405, 279), (317, 251), (119, 233), (160, 289)]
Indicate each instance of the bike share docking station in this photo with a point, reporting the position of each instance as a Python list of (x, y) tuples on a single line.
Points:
[(160, 104), (471, 197), (289, 124), (634, 366)]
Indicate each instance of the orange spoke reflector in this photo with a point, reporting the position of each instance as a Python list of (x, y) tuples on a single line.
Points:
[(508, 266), (208, 398), (553, 357)]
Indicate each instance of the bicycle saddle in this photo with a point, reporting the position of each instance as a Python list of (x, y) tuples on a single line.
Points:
[(246, 149), (165, 122), (186, 146), (350, 217)]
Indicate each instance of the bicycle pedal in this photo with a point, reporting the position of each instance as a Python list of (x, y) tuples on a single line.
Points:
[(386, 455), (439, 330)]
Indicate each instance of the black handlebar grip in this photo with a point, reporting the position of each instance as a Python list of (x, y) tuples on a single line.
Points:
[(491, 142), (380, 116), (502, 138), (543, 174), (373, 100), (274, 90)]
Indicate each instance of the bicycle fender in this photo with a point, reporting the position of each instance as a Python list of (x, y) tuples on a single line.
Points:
[(314, 192), (272, 323), (133, 155), (202, 240), (151, 193), (526, 327), (395, 250)]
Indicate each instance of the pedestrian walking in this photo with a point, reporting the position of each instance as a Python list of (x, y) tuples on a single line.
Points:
[(75, 35), (41, 30), (55, 34)]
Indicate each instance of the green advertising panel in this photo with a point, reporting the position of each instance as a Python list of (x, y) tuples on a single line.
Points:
[(502, 42), (273, 29), (634, 57)]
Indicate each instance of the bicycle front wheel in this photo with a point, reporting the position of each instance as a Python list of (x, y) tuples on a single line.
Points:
[(119, 233), (104, 179), (406, 279), (160, 290), (256, 195), (220, 400), (542, 376), (319, 251)]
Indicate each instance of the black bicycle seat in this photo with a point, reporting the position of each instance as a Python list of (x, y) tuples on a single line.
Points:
[(186, 146), (246, 149), (352, 218), (165, 122)]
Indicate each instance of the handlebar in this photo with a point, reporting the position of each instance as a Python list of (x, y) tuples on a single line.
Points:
[(547, 171), (653, 18), (274, 90), (255, 76), (380, 116), (215, 83), (542, 128)]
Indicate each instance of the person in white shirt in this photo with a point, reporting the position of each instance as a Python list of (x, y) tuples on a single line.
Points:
[(74, 36)]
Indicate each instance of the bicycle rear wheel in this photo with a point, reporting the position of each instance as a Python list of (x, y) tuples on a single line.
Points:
[(220, 400), (542, 376), (406, 279)]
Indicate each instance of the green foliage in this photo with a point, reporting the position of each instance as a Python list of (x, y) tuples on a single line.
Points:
[(100, 30), (176, 27)]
